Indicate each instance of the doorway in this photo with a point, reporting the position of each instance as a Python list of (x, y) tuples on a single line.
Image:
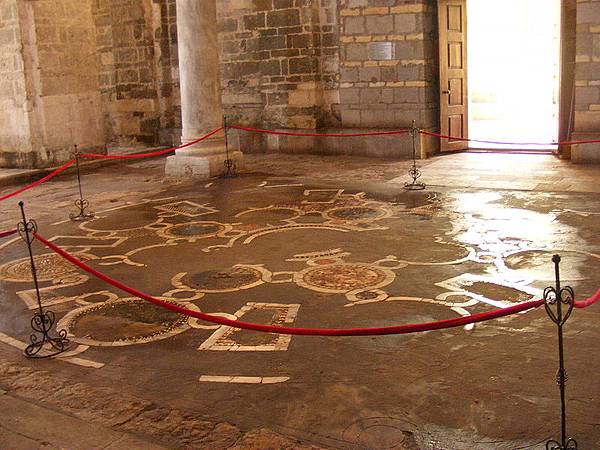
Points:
[(514, 72), (500, 70)]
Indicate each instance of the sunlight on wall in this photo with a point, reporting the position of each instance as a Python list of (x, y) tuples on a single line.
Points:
[(513, 71)]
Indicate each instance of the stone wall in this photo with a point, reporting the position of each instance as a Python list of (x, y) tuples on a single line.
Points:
[(15, 141), (279, 61), (61, 64), (587, 81), (125, 47), (53, 81), (96, 72), (388, 67)]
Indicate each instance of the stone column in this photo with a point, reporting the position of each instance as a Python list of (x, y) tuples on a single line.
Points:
[(201, 104)]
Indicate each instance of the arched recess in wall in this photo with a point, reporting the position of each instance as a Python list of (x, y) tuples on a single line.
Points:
[(453, 76)]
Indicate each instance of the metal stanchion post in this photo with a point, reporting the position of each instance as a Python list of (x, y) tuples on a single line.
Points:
[(414, 172), (80, 203), (42, 320), (228, 163), (556, 298)]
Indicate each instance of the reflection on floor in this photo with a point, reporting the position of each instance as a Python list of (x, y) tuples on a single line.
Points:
[(279, 251)]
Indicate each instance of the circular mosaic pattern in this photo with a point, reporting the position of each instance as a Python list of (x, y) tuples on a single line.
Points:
[(123, 322), (223, 280), (49, 266), (195, 229), (356, 213), (343, 277)]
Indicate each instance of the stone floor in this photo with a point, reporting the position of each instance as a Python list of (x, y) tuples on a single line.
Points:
[(311, 241)]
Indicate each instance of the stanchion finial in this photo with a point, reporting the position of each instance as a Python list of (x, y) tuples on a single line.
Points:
[(43, 320), (555, 299), (80, 203), (414, 172)]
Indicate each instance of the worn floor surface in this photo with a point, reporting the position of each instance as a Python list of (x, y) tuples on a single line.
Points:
[(309, 241)]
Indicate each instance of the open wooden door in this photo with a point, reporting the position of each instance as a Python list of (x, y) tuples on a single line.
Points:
[(452, 16)]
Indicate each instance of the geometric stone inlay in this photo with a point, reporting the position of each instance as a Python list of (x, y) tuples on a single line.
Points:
[(344, 277), (126, 321), (186, 208), (219, 280), (355, 213), (234, 340), (49, 266), (195, 229)]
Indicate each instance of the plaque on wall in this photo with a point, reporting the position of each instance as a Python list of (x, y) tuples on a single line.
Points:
[(381, 51)]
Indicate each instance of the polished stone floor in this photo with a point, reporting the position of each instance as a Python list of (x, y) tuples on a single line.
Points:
[(307, 241)]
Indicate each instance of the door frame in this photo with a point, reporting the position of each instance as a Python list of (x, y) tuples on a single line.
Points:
[(568, 10)]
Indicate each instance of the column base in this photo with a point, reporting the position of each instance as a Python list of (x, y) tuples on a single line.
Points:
[(201, 167)]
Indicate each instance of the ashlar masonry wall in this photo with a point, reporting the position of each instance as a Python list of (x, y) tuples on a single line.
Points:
[(388, 70), (15, 143)]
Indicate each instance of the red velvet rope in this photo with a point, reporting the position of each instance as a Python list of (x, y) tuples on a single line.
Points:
[(4, 234), (589, 302), (40, 181), (403, 329), (341, 135), (156, 153), (455, 138)]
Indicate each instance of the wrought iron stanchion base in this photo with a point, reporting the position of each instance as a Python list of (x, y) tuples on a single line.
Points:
[(41, 324), (570, 445), (82, 214), (229, 169), (415, 186)]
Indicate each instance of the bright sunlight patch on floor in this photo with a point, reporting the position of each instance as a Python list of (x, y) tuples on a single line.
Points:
[(514, 58)]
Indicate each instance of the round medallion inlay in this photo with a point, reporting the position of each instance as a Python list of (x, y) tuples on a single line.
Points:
[(344, 277), (195, 229), (49, 266), (223, 280), (121, 322)]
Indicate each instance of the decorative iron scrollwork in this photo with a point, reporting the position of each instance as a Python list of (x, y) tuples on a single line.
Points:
[(559, 303), (43, 320), (81, 203), (414, 172)]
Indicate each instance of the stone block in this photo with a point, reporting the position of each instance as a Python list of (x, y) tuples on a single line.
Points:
[(349, 96), (283, 18), (357, 52), (354, 25), (348, 74), (411, 72), (303, 98), (350, 118), (584, 96), (371, 74), (588, 13), (406, 50), (370, 96), (379, 24), (405, 23)]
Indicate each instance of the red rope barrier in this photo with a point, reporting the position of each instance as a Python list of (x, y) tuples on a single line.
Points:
[(403, 329), (547, 144), (4, 234), (40, 181), (289, 133), (156, 153), (589, 302)]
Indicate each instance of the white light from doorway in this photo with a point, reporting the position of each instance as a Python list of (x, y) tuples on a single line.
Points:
[(513, 71)]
